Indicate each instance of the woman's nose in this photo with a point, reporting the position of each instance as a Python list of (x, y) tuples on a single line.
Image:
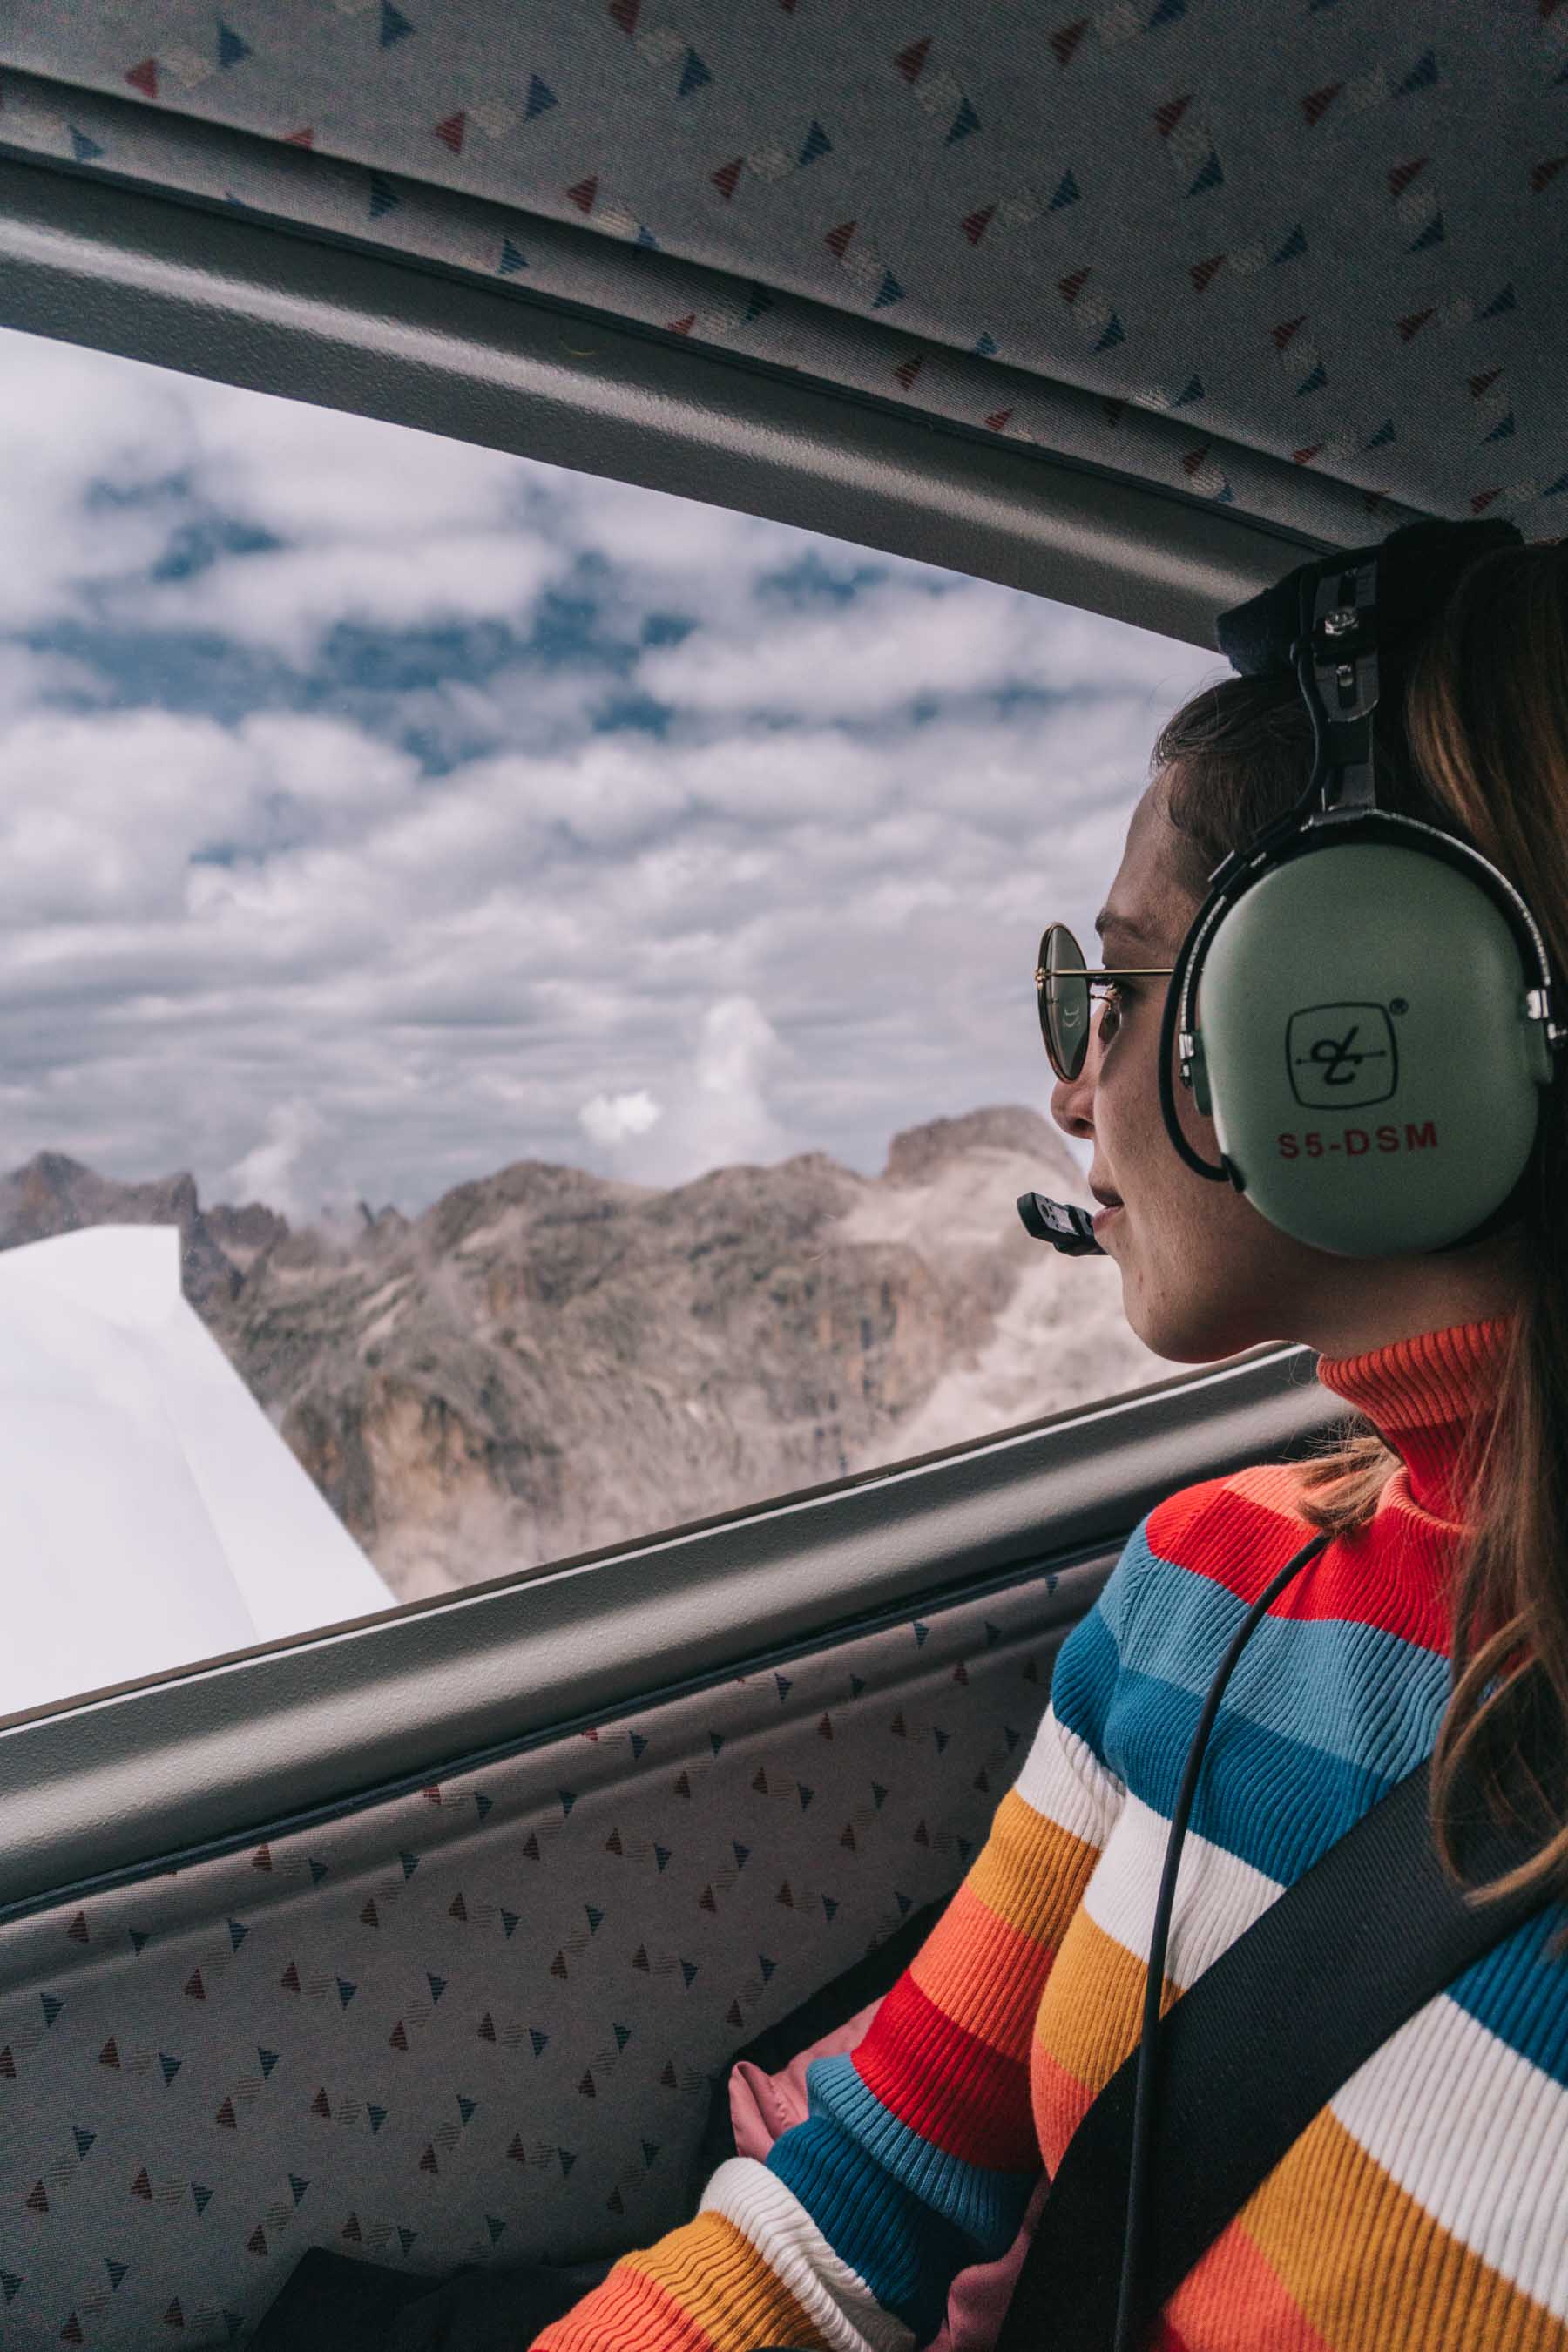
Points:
[(1072, 1100)]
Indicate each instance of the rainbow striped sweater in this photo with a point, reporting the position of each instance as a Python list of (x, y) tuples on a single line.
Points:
[(1426, 2205)]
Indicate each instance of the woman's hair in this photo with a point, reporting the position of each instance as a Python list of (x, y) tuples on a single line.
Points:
[(1484, 743)]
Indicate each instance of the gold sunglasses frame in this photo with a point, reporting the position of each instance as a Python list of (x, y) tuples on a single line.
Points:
[(1090, 973)]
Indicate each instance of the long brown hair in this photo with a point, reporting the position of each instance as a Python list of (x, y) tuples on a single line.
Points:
[(1482, 739)]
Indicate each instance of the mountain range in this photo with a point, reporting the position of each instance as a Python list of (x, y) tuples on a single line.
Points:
[(546, 1361)]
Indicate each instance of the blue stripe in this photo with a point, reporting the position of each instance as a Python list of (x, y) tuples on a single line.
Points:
[(1083, 1682), (985, 2205), (907, 2256), (1365, 1696), (1120, 1594), (1519, 1991), (1320, 1717), (1274, 1802)]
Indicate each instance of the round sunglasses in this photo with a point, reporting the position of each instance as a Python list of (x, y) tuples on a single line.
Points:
[(1066, 986)]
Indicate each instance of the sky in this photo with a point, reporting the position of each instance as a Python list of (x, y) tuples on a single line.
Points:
[(379, 811)]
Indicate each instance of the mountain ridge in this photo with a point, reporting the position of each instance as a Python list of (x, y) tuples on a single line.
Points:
[(544, 1360)]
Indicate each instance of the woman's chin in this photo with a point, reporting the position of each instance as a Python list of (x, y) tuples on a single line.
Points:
[(1180, 1331)]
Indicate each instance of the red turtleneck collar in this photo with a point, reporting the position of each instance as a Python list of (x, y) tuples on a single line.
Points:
[(1422, 1395)]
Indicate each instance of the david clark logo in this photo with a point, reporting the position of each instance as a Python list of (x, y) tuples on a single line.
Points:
[(1342, 1056)]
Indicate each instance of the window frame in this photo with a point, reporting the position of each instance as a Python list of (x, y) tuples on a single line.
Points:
[(267, 305), (108, 1784), (105, 1784)]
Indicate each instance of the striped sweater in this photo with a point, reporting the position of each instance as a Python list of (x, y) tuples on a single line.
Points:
[(1425, 2205)]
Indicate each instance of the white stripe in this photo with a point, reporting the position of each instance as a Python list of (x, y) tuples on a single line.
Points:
[(1064, 1782), (1219, 1896), (1475, 2134), (1478, 2135), (836, 2299)]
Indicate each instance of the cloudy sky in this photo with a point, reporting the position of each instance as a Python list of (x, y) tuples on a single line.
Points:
[(378, 810)]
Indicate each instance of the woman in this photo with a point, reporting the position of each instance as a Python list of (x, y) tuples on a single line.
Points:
[(1428, 2203)]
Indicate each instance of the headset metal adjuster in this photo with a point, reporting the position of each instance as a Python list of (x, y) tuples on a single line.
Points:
[(1538, 1007), (1340, 622)]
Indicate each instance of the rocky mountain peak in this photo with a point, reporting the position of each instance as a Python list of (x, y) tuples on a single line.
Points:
[(545, 1361), (246, 1233), (519, 1195), (52, 1168), (918, 1154), (54, 1194)]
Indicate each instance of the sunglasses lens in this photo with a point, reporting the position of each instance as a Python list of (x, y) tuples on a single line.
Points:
[(1064, 1001)]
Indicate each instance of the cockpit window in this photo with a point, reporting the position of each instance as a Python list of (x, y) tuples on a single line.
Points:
[(519, 1009)]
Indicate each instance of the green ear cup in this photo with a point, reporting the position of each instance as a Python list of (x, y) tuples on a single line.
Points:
[(1373, 1071)]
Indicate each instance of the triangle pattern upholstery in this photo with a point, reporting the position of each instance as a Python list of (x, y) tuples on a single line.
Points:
[(1257, 256), (476, 2021)]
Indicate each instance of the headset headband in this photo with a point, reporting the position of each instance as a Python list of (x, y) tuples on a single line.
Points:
[(1418, 568), (1344, 627)]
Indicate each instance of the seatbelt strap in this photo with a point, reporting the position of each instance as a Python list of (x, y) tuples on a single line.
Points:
[(1253, 2050)]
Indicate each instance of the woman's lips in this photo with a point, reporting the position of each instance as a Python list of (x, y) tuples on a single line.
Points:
[(1102, 1216)]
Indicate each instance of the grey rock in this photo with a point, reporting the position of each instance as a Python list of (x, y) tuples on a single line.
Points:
[(546, 1362)]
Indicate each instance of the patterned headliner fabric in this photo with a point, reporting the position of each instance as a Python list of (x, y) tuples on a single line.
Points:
[(1304, 257)]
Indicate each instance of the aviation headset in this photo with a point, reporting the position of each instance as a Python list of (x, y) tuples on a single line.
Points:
[(1376, 1034), (1376, 1042)]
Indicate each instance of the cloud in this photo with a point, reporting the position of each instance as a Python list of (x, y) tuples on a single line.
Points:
[(292, 1140), (100, 815), (288, 599), (779, 954), (338, 857), (33, 677), (345, 519), (646, 536), (899, 643), (94, 448), (608, 1120), (718, 1114), (105, 814), (324, 476), (176, 504)]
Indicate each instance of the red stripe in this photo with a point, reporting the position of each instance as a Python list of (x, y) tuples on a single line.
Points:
[(1392, 1576), (945, 2083)]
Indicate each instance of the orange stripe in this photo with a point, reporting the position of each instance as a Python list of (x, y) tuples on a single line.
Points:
[(1090, 2019), (1060, 2103), (629, 2310), (718, 2283), (982, 1970), (1371, 2268), (1091, 2013), (1273, 1485), (1234, 2291), (1031, 1872)]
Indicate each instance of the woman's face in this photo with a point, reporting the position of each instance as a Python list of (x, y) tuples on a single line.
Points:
[(1204, 1274)]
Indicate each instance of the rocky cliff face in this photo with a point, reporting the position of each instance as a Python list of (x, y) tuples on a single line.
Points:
[(55, 1195), (546, 1361)]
